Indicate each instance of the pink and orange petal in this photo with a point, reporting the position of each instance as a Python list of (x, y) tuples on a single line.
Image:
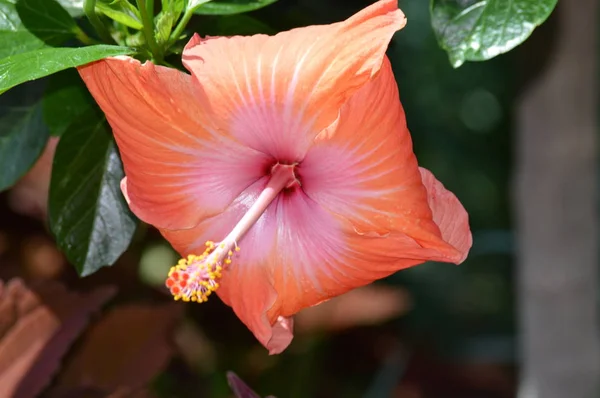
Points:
[(198, 151)]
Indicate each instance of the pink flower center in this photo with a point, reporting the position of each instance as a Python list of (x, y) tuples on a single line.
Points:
[(194, 278)]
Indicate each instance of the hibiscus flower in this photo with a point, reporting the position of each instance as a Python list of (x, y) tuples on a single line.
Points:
[(294, 149)]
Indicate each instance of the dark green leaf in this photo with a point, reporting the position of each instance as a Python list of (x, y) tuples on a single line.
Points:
[(32, 24), (88, 215), (65, 99), (47, 20), (477, 30), (121, 11), (23, 137), (20, 68), (228, 7)]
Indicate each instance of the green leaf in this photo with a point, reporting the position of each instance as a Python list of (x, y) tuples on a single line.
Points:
[(66, 98), (73, 7), (121, 11), (88, 215), (20, 68), (193, 4), (167, 18), (47, 20), (14, 38), (229, 7), (477, 30), (23, 137), (32, 24), (173, 7)]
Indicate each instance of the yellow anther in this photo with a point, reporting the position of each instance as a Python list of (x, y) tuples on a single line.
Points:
[(194, 278)]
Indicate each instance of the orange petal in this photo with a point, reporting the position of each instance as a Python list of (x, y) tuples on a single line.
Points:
[(449, 215), (276, 93), (363, 169), (318, 255), (365, 211), (180, 167), (295, 256)]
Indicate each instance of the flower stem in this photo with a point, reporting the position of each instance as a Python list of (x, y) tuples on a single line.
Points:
[(148, 26), (150, 7), (89, 9), (180, 27), (84, 38)]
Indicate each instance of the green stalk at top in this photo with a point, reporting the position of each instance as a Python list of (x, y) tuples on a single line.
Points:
[(89, 9), (148, 23), (150, 7), (180, 27)]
